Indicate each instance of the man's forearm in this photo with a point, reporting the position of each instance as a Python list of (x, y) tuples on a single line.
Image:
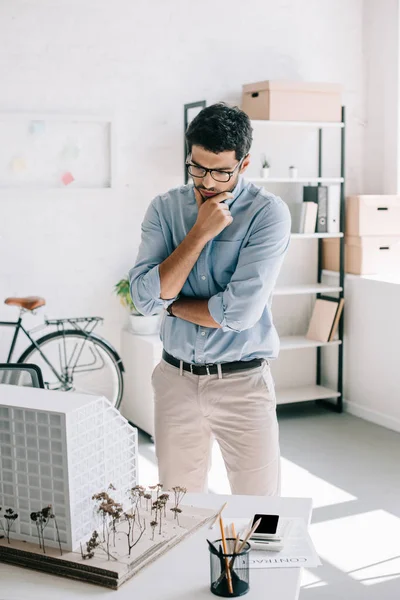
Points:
[(176, 268), (195, 311)]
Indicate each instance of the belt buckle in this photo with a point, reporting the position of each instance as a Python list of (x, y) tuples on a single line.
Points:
[(207, 367)]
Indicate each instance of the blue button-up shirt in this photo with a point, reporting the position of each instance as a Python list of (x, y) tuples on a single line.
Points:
[(236, 271)]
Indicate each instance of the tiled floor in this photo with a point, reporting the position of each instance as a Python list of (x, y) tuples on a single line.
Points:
[(351, 469)]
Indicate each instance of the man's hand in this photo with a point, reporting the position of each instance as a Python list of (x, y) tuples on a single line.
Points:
[(214, 215), (212, 218)]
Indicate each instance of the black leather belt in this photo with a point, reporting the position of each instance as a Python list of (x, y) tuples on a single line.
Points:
[(240, 365)]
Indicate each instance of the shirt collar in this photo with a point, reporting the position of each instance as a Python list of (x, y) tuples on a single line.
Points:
[(236, 191)]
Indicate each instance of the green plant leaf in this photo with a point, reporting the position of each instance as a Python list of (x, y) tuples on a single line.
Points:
[(122, 290)]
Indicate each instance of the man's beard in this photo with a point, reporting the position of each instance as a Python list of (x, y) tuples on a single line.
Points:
[(216, 193)]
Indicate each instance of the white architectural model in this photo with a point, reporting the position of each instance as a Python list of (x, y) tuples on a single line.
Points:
[(60, 449)]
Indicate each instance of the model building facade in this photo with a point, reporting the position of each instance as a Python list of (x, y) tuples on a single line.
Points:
[(59, 448)]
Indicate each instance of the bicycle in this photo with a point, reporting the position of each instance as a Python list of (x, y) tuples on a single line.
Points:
[(72, 358)]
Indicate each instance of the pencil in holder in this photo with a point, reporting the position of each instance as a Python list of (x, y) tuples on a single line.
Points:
[(229, 572)]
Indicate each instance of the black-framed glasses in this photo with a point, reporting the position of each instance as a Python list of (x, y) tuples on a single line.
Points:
[(221, 176)]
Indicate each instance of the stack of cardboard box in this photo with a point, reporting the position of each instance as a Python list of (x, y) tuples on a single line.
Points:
[(372, 237)]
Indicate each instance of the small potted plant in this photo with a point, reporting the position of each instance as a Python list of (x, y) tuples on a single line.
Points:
[(293, 172), (264, 167), (138, 323)]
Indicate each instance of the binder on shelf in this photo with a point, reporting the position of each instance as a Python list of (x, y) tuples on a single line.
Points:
[(319, 195), (334, 209), (308, 217), (322, 218), (325, 319)]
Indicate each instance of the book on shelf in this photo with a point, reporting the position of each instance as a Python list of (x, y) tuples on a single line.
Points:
[(325, 319)]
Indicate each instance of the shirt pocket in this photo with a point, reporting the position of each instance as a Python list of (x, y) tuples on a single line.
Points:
[(224, 259)]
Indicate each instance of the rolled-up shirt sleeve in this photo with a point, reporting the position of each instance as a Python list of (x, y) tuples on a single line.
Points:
[(241, 304), (144, 277)]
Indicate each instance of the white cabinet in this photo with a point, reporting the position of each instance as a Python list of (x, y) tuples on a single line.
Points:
[(140, 354)]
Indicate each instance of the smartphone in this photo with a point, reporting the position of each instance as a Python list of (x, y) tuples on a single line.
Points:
[(268, 525)]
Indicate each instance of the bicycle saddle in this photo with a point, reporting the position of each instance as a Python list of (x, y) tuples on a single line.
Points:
[(29, 303)]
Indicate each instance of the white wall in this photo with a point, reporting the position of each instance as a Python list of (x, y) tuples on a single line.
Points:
[(371, 373), (381, 66), (143, 61)]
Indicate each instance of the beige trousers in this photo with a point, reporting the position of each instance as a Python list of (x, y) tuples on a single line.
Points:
[(237, 409)]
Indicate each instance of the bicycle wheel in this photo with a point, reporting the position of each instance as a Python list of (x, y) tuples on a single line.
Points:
[(71, 361)]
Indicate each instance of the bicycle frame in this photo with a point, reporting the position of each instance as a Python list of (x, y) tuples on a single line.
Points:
[(18, 327)]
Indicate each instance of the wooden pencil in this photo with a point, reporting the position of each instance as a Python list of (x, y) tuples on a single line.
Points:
[(236, 537), (248, 535), (217, 516), (227, 565)]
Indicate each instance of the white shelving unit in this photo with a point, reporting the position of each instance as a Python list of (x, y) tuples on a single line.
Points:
[(305, 393), (298, 342), (309, 124), (331, 180), (312, 288), (299, 236)]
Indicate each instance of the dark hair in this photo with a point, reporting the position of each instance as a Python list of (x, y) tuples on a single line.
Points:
[(219, 128)]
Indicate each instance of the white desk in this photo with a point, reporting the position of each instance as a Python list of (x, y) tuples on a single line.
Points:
[(182, 574)]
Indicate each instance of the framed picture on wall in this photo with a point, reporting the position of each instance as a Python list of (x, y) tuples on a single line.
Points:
[(190, 111), (56, 151)]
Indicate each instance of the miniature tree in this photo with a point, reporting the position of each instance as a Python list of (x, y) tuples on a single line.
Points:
[(147, 497), (110, 512), (37, 518), (177, 511), (53, 516), (10, 517), (153, 525), (164, 499), (179, 493), (158, 507), (91, 545), (42, 518), (158, 487), (130, 519), (136, 494)]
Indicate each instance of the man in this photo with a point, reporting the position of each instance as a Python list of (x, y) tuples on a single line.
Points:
[(210, 254)]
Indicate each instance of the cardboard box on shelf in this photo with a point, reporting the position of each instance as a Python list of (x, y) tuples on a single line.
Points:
[(364, 255), (373, 215), (293, 101)]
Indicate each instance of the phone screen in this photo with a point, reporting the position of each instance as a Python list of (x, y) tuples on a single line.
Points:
[(269, 523)]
